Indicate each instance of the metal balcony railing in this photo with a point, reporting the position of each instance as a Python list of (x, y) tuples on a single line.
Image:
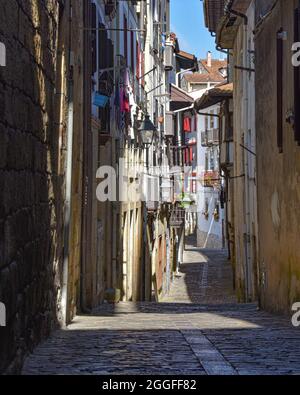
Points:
[(210, 137), (177, 217)]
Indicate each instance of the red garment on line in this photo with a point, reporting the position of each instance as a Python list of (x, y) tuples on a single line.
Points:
[(187, 125), (124, 102)]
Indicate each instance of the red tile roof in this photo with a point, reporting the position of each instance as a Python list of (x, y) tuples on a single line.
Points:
[(211, 74), (186, 55), (213, 11)]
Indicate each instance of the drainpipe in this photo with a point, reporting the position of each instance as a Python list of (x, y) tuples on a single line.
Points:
[(182, 72), (218, 48), (69, 163)]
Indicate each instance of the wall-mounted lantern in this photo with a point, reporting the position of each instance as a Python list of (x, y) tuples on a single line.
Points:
[(147, 131)]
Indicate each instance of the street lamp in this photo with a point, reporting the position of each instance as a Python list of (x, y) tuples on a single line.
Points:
[(147, 131)]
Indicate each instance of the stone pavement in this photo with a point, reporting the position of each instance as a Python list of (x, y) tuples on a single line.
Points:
[(198, 329)]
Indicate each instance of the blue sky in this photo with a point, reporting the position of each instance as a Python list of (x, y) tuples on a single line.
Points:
[(187, 21)]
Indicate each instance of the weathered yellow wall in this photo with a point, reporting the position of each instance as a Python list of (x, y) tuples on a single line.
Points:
[(278, 174)]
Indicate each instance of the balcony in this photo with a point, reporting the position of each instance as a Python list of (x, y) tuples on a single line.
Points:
[(151, 191), (167, 190), (210, 137), (152, 206), (177, 217)]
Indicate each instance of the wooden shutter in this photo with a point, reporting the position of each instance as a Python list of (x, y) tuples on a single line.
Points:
[(297, 77), (138, 60), (279, 71), (143, 69), (132, 51), (102, 44), (125, 40)]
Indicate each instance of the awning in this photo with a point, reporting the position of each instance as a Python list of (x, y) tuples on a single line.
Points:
[(186, 60), (179, 98), (214, 96)]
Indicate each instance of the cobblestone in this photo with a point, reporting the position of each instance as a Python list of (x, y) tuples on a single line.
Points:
[(198, 329)]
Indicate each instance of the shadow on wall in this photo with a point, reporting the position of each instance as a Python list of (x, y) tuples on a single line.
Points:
[(31, 181)]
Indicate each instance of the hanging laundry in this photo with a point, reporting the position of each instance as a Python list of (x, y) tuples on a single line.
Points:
[(124, 101), (187, 124)]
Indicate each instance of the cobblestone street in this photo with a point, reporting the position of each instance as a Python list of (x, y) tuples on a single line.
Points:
[(198, 329)]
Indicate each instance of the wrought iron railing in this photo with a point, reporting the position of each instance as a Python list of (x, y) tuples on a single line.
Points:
[(177, 217), (210, 137)]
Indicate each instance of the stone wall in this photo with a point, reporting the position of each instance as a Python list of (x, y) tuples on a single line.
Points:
[(32, 175)]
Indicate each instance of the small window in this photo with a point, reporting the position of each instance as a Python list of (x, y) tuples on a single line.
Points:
[(206, 122), (212, 120)]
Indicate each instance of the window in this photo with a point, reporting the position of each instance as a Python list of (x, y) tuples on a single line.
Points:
[(161, 117), (206, 161), (138, 60), (155, 115), (212, 161), (212, 120), (105, 81), (132, 51), (194, 186), (206, 122), (206, 205), (195, 122), (217, 210)]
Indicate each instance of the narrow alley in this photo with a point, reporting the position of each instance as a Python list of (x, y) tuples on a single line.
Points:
[(198, 329), (149, 187)]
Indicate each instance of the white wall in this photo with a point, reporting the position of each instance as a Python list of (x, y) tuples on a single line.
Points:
[(210, 226)]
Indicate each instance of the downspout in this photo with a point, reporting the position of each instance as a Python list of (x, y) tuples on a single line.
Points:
[(68, 170), (218, 48)]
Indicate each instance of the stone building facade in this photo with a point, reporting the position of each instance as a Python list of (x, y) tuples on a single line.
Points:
[(35, 102)]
